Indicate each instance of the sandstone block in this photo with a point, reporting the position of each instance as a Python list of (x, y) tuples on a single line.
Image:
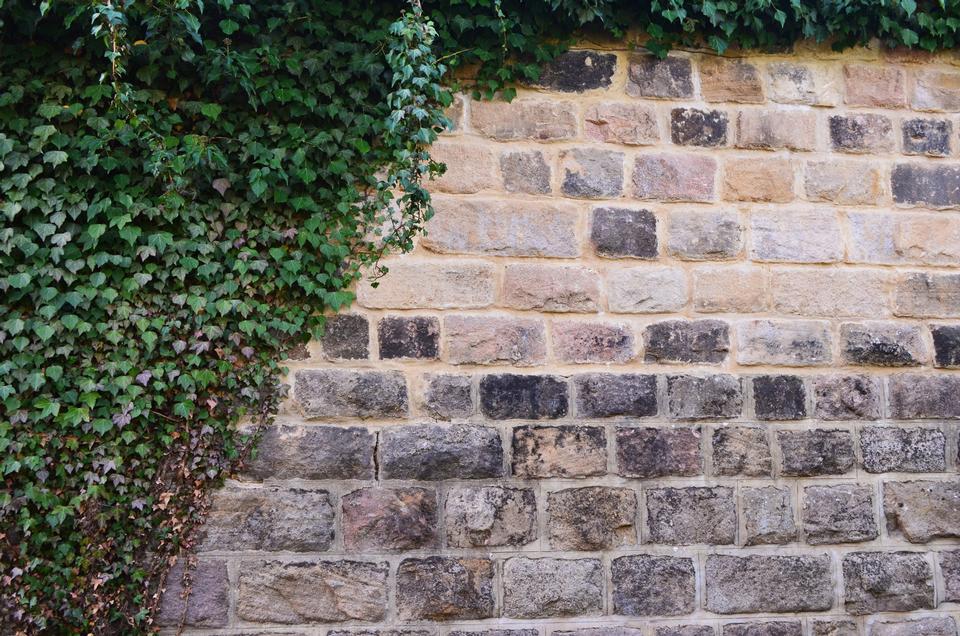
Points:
[(927, 295), (545, 588), (846, 397), (601, 631), (922, 510), (807, 292), (621, 123), (768, 584), (445, 588), (793, 236), (883, 344), (346, 337), (838, 514), (591, 173), (913, 396), (551, 288), (937, 90), (930, 626), (487, 516), (777, 130), (537, 119), (930, 137), (530, 397), (646, 585), (643, 453), (758, 180), (768, 516), (886, 582), (765, 628), (470, 168), (494, 340), (874, 86), (685, 630), (436, 452), (741, 450), (838, 627), (906, 450), (946, 344), (791, 83), (815, 452), (730, 80), (844, 182), (415, 284), (313, 452), (578, 71), (390, 519), (787, 343), (668, 78), (925, 238), (684, 516), (861, 133), (936, 186), (705, 235), (409, 337), (541, 452), (950, 568), (326, 393), (592, 518), (779, 397), (674, 177), (694, 127), (613, 395), (734, 289), (646, 290), (708, 397), (447, 396), (691, 341), (207, 604), (624, 233), (526, 172), (583, 342)]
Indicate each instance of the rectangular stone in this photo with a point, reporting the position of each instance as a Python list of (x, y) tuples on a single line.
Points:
[(624, 233), (741, 450), (208, 603), (547, 588), (687, 341), (842, 513), (692, 397), (313, 452), (768, 517), (447, 396), (551, 288), (584, 342), (843, 182), (921, 185), (471, 168), (937, 90), (738, 289), (922, 511), (591, 173), (730, 80), (445, 588), (785, 343), (530, 397), (846, 397), (927, 295), (379, 519), (792, 83), (648, 585), (758, 180), (437, 452), (815, 452), (796, 236), (488, 516), (705, 235), (615, 395), (917, 397), (779, 397), (417, 284), (907, 450), (578, 71), (928, 626), (647, 452), (886, 582), (653, 77), (695, 127), (924, 238), (621, 123), (646, 290), (831, 293), (333, 393), (493, 339), (536, 119), (768, 584), (409, 337), (693, 515), (674, 177), (542, 452), (526, 172), (874, 86), (764, 628), (611, 512), (777, 130), (929, 137), (863, 133), (946, 346), (884, 344)]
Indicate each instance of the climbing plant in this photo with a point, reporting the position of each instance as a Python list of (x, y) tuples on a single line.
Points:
[(187, 187)]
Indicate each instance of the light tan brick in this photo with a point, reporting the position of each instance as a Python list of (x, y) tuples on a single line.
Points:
[(551, 288), (726, 80), (821, 292), (494, 340), (937, 90), (758, 180), (730, 288), (792, 83), (646, 290), (777, 129), (502, 228), (799, 236), (582, 342), (784, 342), (923, 239), (539, 119), (415, 284), (470, 167), (621, 123), (927, 295), (874, 86), (674, 177), (846, 182)]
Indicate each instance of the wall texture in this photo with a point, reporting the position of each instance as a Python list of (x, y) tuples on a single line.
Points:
[(678, 357)]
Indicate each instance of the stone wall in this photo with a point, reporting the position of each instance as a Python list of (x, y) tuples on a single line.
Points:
[(678, 357)]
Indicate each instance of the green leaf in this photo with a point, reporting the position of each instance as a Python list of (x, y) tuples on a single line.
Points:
[(211, 111), (18, 281), (55, 157)]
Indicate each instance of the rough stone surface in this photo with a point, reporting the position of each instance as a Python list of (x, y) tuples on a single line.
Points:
[(313, 452), (526, 172), (839, 627), (838, 514), (730, 80), (578, 71), (345, 393), (669, 78), (684, 630), (487, 516), (768, 584), (950, 568), (644, 290), (818, 451), (674, 177), (592, 518), (683, 516), (765, 628), (544, 588), (693, 127), (445, 588), (844, 182), (622, 123), (346, 337), (697, 341), (533, 118), (760, 180), (846, 397), (930, 137), (705, 235), (731, 288), (934, 186), (390, 519), (883, 344), (584, 342), (551, 288), (933, 626), (946, 345), (494, 340), (861, 133), (908, 450), (777, 130), (591, 173), (559, 451), (434, 452), (937, 90), (922, 510), (928, 295), (786, 343), (658, 452), (447, 396), (793, 83), (704, 397), (779, 397), (914, 396), (425, 284), (615, 395), (624, 232), (601, 631), (206, 605), (531, 397), (645, 585), (796, 236), (886, 582), (874, 86), (414, 337), (768, 516), (741, 450)]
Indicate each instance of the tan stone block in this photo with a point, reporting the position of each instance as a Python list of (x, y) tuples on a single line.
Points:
[(784, 342), (454, 112), (820, 292), (923, 239), (416, 284), (494, 340), (791, 83), (777, 129), (538, 119), (874, 86), (730, 288), (937, 90), (621, 123), (807, 236), (551, 288), (581, 342), (470, 167), (674, 177), (646, 290), (927, 295), (845, 182), (728, 80), (758, 180)]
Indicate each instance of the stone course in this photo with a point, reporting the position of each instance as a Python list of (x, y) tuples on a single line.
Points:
[(679, 355)]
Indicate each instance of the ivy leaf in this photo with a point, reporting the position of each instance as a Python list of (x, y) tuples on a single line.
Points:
[(19, 281), (211, 111), (55, 157)]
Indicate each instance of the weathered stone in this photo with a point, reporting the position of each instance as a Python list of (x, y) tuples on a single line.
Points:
[(578, 71), (207, 604), (614, 395), (613, 630), (929, 186), (582, 342), (551, 288), (709, 397), (533, 118), (435, 452), (346, 337), (777, 130), (831, 293), (674, 177), (758, 180), (768, 516), (486, 516), (528, 397), (730, 288), (705, 235), (765, 628), (409, 337), (646, 585), (930, 137), (844, 182), (621, 123), (697, 341), (313, 452), (779, 397), (914, 397), (683, 516), (447, 396), (907, 450), (937, 90), (768, 584), (786, 343), (882, 344), (922, 510), (494, 339), (874, 86), (886, 582), (684, 630), (415, 284), (791, 83), (643, 290), (525, 172), (622, 232), (816, 452), (928, 295), (390, 519), (668, 78), (559, 451), (730, 80), (928, 238), (861, 132), (946, 345), (329, 393), (361, 632), (930, 626), (838, 514), (293, 520), (658, 452), (796, 236), (950, 568), (496, 632), (693, 127), (544, 588), (470, 168), (592, 518), (294, 593), (445, 588), (838, 627), (591, 173), (741, 450), (846, 397)]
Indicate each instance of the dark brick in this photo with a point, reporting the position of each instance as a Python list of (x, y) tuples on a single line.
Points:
[(816, 452), (710, 397), (440, 452), (346, 337), (591, 173), (327, 393), (484, 516), (886, 582), (592, 518), (448, 397), (768, 584), (779, 397), (929, 137), (861, 133), (684, 516), (559, 451), (909, 450), (577, 71), (934, 186), (647, 585), (838, 514), (924, 396), (313, 452), (922, 510), (528, 397), (409, 337), (525, 172), (445, 588), (207, 604), (544, 588), (741, 450), (950, 567), (846, 397), (766, 628), (706, 341), (692, 127), (946, 344), (658, 452), (649, 76), (390, 519), (613, 395), (882, 344), (622, 232)]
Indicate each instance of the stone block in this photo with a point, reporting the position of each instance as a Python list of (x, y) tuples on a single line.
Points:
[(791, 83), (929, 626), (312, 452), (777, 130), (930, 137), (758, 180), (692, 515), (489, 516), (447, 396), (886, 582), (644, 453), (922, 510), (591, 173), (883, 344), (814, 452), (445, 588), (874, 86), (591, 518), (843, 181), (417, 284), (796, 343), (346, 337), (705, 235), (937, 90), (830, 293), (646, 290), (578, 71), (624, 233), (694, 127), (614, 395), (927, 295), (667, 78), (842, 513), (508, 396), (330, 393), (861, 133), (779, 397), (436, 452), (689, 341), (768, 517), (915, 396), (946, 345), (409, 337), (207, 604), (741, 450), (674, 177), (740, 289), (704, 397), (534, 118), (548, 588), (470, 168), (647, 585), (525, 171), (795, 236), (493, 339), (768, 584), (551, 288), (846, 397), (585, 342), (621, 123), (730, 80), (541, 452), (377, 519), (764, 628), (888, 449)]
